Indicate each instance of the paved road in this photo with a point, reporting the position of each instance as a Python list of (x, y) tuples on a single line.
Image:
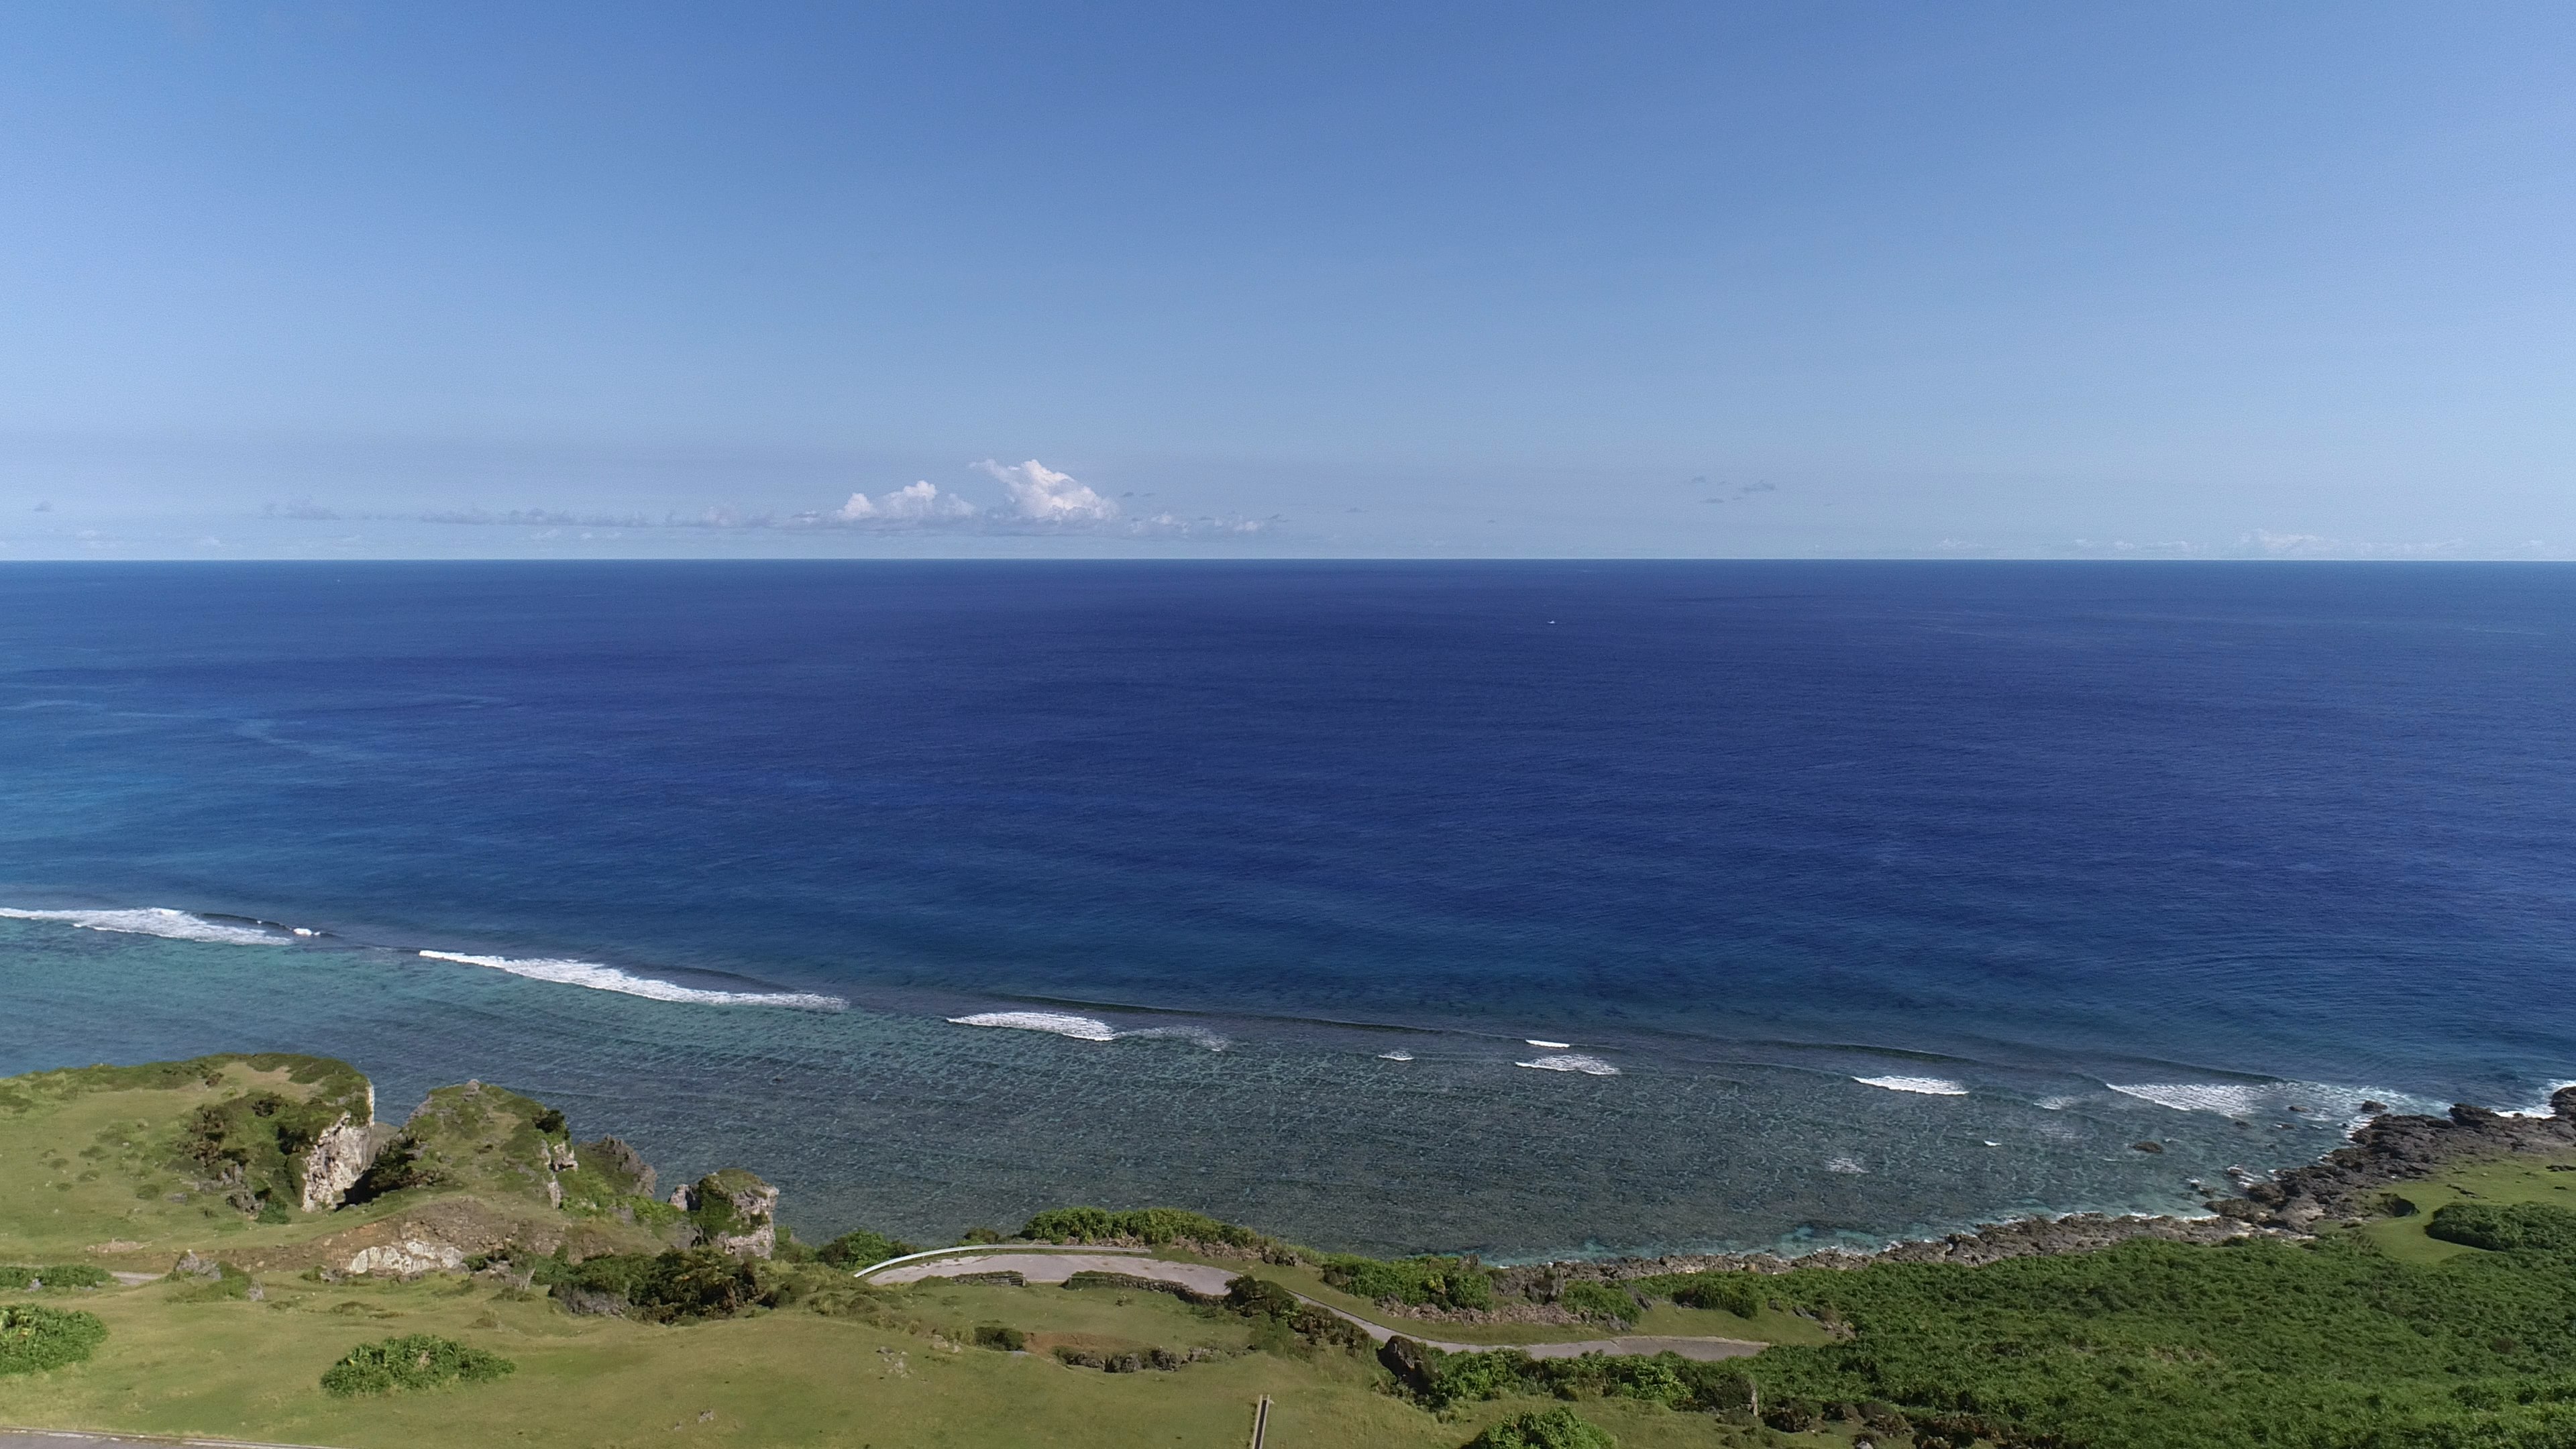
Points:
[(1202, 1278)]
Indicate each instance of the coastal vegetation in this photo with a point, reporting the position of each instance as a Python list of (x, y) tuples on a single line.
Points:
[(1558, 1428), (34, 1337), (500, 1253), (414, 1361)]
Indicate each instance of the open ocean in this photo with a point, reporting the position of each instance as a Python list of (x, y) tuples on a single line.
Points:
[(1525, 908)]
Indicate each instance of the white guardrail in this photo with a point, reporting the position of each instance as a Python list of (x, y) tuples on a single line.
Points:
[(990, 1250)]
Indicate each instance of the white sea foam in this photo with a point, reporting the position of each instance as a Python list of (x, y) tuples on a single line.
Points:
[(1197, 1036), (1396, 1056), (1080, 1028), (2542, 1109), (2058, 1104), (155, 921), (2317, 1101), (1928, 1086), (1549, 1045), (1572, 1062), (1084, 1028), (608, 978), (1845, 1165)]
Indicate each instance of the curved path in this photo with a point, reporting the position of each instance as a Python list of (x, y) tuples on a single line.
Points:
[(1039, 1266)]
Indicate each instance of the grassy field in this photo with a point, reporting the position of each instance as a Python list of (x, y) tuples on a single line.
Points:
[(2513, 1179), (252, 1370)]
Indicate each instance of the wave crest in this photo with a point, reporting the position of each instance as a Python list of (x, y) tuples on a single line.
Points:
[(1590, 1066), (1084, 1028), (608, 978), (155, 921), (1926, 1086)]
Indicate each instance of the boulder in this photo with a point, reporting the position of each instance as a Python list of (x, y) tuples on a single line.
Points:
[(733, 1212), (408, 1258)]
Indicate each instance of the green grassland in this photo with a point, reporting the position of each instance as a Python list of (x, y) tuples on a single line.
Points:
[(246, 1369), (2508, 1180)]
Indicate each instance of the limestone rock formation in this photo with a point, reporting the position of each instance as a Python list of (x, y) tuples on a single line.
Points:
[(339, 1157), (408, 1258), (733, 1211)]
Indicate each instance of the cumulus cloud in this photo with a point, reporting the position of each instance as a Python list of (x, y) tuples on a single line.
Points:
[(919, 502), (1043, 495)]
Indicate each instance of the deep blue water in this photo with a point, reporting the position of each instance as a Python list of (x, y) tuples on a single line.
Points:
[(2240, 836)]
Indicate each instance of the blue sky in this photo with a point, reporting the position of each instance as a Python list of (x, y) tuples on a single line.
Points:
[(1488, 279)]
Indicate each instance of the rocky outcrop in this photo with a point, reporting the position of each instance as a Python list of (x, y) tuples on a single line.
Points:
[(1992, 1243), (623, 1166), (2346, 1185), (337, 1159), (2391, 1149), (732, 1210), (408, 1257)]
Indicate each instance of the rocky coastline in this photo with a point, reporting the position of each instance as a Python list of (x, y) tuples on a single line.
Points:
[(2346, 1185)]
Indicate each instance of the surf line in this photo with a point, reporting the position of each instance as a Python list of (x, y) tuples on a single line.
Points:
[(597, 977)]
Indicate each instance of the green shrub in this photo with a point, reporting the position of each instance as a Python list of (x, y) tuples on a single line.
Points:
[(1428, 1281), (33, 1338), (669, 1287), (860, 1248), (419, 1361), (56, 1275), (1738, 1293), (1557, 1428), (2506, 1227), (1600, 1300), (1001, 1336), (1284, 1323), (1440, 1380), (1151, 1226), (2329, 1344)]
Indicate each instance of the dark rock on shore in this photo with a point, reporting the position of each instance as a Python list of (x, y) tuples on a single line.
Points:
[(2347, 1185), (1994, 1242), (2390, 1149)]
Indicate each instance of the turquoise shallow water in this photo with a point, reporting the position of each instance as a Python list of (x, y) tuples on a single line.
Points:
[(903, 1121), (1856, 895)]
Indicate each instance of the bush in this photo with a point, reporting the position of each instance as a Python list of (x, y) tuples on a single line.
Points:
[(1150, 1226), (2506, 1227), (668, 1287), (420, 1361), (1429, 1281), (33, 1338), (860, 1248), (56, 1275), (1735, 1293), (1000, 1336), (1439, 1380), (1558, 1428), (1282, 1322), (1600, 1300)]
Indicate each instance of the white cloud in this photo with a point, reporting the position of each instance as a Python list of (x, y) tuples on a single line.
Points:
[(914, 503), (1041, 494)]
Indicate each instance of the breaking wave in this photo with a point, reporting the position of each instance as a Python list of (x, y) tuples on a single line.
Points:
[(1927, 1086), (609, 978), (1084, 1028), (2314, 1100), (156, 921), (1589, 1066)]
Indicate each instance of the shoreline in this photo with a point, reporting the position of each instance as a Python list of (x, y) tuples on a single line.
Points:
[(2389, 1149)]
